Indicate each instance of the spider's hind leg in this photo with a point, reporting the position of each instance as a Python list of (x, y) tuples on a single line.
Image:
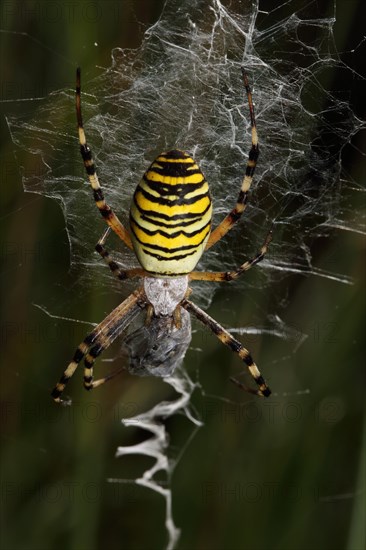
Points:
[(106, 211), (231, 219)]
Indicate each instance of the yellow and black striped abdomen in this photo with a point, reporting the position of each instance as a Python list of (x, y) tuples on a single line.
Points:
[(170, 215)]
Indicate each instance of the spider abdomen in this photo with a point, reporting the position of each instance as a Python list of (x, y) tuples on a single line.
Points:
[(170, 215)]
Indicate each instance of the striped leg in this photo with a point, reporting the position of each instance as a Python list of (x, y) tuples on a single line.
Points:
[(94, 352), (225, 337), (99, 339), (236, 213), (122, 274), (231, 275), (105, 210)]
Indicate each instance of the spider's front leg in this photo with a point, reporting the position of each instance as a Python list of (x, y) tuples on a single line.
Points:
[(225, 337), (98, 340)]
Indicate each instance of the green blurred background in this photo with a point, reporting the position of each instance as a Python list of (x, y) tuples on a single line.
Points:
[(285, 474)]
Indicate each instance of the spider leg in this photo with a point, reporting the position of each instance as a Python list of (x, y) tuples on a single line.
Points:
[(100, 381), (228, 222), (231, 275), (100, 338), (105, 210), (94, 352), (122, 274), (225, 337)]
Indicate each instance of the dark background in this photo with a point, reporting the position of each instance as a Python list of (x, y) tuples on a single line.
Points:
[(285, 473)]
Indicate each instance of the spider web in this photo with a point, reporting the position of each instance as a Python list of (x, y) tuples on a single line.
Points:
[(182, 89)]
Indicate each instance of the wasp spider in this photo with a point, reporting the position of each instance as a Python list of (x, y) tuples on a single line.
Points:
[(170, 227)]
